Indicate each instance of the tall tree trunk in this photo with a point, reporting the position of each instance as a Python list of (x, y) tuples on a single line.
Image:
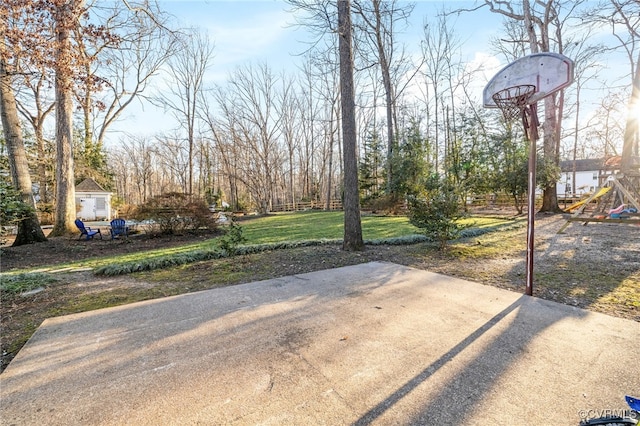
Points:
[(352, 226), (388, 94), (551, 140), (631, 132), (29, 230), (88, 148), (327, 205), (551, 145), (65, 186), (41, 168), (191, 137), (292, 186)]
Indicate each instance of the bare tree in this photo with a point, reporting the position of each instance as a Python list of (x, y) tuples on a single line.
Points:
[(586, 69), (121, 172), (606, 128), (543, 21), (139, 161), (289, 110), (332, 122), (322, 19), (309, 118), (309, 112), (145, 167), (220, 126), (626, 14), (182, 97), (247, 127), (122, 66), (259, 125), (36, 105), (207, 168), (380, 20), (438, 47), (326, 92), (176, 156)]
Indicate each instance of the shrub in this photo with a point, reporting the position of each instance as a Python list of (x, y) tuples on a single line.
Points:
[(126, 211), (385, 204), (159, 262), (437, 212), (46, 213), (12, 209), (232, 238), (174, 213), (15, 284)]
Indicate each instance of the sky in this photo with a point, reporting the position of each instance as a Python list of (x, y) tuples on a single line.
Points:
[(257, 31), (265, 31)]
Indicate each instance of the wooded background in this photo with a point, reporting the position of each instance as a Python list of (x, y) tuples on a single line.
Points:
[(268, 136)]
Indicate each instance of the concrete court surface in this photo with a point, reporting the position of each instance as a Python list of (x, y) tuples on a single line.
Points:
[(376, 343)]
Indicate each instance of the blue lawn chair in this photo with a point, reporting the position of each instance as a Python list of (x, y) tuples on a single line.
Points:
[(85, 230), (118, 227)]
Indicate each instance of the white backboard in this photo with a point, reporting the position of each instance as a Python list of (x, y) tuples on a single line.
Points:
[(548, 72)]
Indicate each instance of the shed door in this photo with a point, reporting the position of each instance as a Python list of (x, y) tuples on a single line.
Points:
[(87, 209)]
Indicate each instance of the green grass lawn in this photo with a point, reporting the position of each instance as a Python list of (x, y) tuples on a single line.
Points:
[(281, 228), (329, 225), (320, 225)]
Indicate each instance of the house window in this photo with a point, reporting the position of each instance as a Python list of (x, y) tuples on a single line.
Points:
[(100, 203), (595, 175)]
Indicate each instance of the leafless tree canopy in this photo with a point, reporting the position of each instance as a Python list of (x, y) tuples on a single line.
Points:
[(264, 137)]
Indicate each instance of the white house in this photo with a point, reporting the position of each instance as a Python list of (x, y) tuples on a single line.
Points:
[(590, 174), (92, 201)]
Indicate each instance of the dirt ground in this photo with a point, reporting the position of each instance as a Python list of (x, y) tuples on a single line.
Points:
[(596, 267)]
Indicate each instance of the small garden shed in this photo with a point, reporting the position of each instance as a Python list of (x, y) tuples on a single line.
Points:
[(92, 201)]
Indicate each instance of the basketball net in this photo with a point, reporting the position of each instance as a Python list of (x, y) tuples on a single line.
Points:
[(514, 102)]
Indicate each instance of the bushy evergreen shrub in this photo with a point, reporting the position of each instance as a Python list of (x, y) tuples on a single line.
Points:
[(232, 238), (436, 212)]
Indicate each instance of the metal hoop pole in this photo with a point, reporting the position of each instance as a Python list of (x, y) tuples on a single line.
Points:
[(531, 124), (511, 101)]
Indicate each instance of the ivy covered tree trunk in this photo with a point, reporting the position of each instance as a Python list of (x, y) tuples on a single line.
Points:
[(29, 230), (352, 226)]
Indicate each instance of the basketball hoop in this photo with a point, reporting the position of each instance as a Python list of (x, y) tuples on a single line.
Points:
[(516, 89), (513, 100)]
